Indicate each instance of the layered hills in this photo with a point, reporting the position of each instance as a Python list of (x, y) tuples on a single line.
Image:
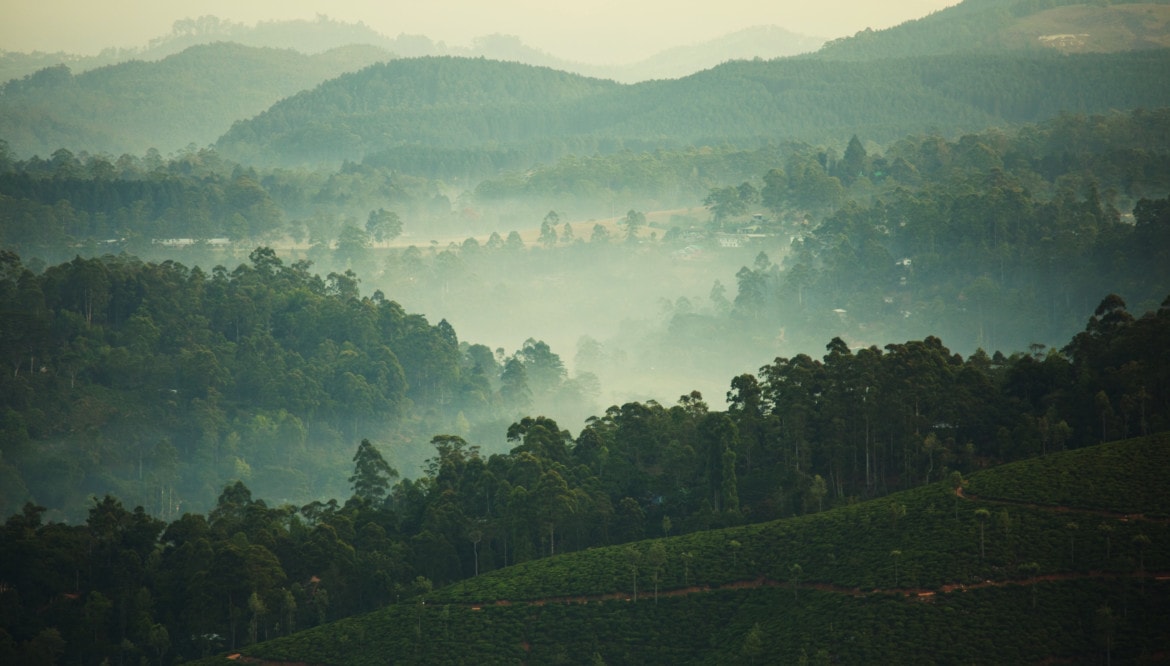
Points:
[(187, 98), (823, 517), (479, 105), (1059, 558), (962, 69), (325, 34)]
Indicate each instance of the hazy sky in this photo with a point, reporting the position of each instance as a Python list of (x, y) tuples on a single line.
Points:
[(591, 30)]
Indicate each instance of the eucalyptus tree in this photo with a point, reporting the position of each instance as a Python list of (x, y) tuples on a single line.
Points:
[(372, 475)]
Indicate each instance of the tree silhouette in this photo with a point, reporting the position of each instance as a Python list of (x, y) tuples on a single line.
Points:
[(897, 510), (633, 221), (981, 515), (633, 558), (1107, 530), (1105, 625), (421, 587), (753, 644), (818, 490), (956, 482), (372, 475), (1031, 569), (475, 535), (383, 225), (687, 558), (656, 557), (548, 233), (1072, 532), (1142, 542)]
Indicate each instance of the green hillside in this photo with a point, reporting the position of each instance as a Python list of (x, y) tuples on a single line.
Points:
[(996, 26), (1095, 28), (435, 102), (1014, 575), (190, 97), (483, 107)]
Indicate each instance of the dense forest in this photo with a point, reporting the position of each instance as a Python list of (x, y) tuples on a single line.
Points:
[(444, 102), (213, 371), (1051, 559), (966, 239), (804, 436), (482, 107), (920, 276), (159, 382)]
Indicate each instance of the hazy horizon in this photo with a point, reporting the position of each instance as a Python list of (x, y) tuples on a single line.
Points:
[(606, 31)]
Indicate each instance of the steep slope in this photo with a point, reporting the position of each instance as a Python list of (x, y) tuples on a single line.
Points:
[(933, 575), (191, 97), (1094, 28), (996, 26)]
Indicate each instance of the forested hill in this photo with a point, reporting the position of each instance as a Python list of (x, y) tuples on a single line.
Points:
[(437, 102), (188, 98), (759, 508), (998, 26), (482, 107), (1050, 560)]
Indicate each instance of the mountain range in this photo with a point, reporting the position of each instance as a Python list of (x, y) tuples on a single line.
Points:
[(980, 63), (324, 34)]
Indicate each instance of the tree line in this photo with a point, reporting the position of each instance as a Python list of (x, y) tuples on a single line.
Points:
[(456, 104), (990, 241), (799, 437), (158, 381)]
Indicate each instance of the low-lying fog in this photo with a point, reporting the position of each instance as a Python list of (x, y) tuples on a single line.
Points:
[(604, 307)]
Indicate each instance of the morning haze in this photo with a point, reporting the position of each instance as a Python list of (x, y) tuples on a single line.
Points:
[(594, 32), (611, 333)]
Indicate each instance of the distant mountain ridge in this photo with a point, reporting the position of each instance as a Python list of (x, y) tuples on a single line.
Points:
[(190, 97), (701, 93), (324, 34), (761, 42)]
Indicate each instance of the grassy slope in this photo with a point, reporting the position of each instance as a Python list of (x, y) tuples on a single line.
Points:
[(995, 26), (947, 605), (1094, 29)]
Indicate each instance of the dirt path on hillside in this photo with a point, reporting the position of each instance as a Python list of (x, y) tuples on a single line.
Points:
[(1119, 515), (917, 593), (909, 593)]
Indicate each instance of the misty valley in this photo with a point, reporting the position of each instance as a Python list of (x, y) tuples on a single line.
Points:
[(360, 356)]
